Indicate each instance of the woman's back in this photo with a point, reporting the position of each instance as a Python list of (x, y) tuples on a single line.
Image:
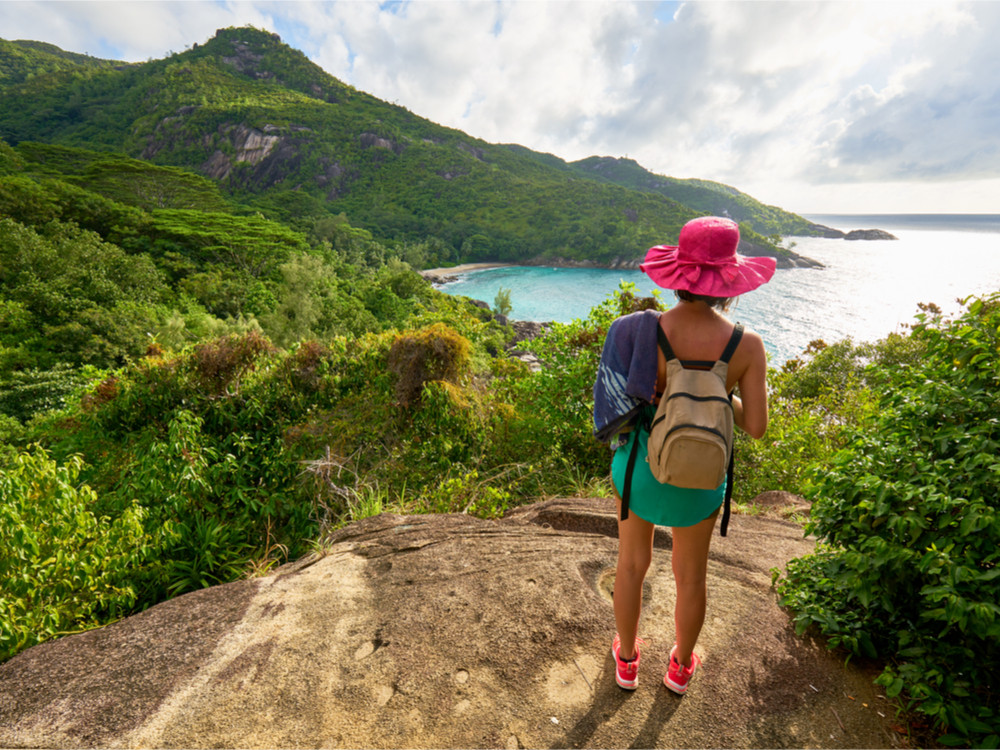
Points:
[(698, 332)]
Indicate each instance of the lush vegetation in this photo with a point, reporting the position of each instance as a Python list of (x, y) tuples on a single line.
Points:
[(706, 197), (908, 514), (192, 468), (92, 277)]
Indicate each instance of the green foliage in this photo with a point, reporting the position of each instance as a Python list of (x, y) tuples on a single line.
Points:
[(436, 353), (23, 393), (707, 198), (501, 304), (66, 296), (250, 244), (815, 405), (24, 60), (123, 180), (62, 568), (169, 277), (909, 515), (10, 162)]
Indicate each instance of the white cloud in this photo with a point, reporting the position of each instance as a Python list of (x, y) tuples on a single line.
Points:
[(803, 100)]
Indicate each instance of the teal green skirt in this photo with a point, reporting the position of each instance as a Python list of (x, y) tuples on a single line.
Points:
[(656, 502)]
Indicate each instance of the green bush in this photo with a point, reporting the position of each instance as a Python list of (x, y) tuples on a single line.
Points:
[(908, 516), (813, 404), (432, 354), (62, 568)]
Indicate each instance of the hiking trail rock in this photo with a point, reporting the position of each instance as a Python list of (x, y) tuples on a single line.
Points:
[(451, 631)]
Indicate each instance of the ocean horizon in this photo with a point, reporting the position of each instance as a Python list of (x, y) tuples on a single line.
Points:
[(866, 290)]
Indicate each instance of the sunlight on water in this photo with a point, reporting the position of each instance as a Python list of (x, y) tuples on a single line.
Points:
[(867, 290)]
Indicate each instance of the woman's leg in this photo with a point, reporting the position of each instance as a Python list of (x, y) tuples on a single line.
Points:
[(635, 550), (689, 559)]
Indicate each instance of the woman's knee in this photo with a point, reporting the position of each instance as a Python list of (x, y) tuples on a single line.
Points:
[(633, 564)]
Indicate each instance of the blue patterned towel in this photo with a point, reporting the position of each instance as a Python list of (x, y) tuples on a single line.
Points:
[(626, 376)]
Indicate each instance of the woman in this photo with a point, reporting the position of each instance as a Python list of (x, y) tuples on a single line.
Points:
[(706, 272)]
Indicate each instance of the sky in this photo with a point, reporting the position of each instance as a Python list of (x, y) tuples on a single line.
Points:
[(816, 107)]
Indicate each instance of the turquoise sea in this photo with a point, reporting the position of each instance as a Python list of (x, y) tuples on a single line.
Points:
[(866, 290)]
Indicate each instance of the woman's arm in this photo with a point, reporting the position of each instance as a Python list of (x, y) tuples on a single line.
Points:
[(750, 408)]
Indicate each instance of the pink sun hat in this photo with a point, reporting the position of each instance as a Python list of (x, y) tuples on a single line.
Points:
[(705, 261)]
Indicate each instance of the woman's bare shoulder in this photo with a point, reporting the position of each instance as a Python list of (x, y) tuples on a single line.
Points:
[(750, 356)]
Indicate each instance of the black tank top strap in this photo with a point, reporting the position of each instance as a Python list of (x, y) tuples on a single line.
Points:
[(734, 341)]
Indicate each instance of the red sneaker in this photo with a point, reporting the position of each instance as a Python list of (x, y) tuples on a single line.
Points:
[(626, 672), (678, 676)]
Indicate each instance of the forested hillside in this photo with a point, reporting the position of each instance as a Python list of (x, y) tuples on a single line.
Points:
[(278, 134), (160, 258)]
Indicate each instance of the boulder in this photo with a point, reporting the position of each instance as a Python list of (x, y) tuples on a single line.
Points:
[(525, 330), (451, 631)]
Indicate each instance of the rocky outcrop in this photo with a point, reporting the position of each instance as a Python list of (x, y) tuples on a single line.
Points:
[(371, 140), (250, 146), (474, 151), (438, 278), (869, 234), (819, 230), (785, 259), (450, 631)]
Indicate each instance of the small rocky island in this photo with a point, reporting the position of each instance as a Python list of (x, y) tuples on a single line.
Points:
[(855, 234)]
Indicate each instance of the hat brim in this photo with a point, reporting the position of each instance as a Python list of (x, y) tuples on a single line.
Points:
[(730, 280)]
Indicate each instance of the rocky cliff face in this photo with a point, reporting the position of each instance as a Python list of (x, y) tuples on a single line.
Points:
[(449, 631), (247, 146)]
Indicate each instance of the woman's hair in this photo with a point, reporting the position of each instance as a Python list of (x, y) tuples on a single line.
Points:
[(720, 303)]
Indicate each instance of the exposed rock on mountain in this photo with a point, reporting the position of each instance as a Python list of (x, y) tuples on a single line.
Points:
[(249, 146), (449, 631)]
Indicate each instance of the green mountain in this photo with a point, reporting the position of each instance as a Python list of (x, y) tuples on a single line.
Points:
[(279, 136), (705, 196)]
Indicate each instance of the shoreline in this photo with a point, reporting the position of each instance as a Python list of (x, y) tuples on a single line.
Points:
[(451, 273), (462, 268)]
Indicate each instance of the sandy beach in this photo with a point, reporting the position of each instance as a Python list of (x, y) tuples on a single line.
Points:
[(464, 268)]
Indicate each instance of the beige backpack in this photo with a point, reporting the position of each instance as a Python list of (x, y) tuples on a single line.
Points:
[(691, 436)]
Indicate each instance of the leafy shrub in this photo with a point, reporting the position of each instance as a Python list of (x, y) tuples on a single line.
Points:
[(62, 568), (218, 363), (434, 353), (908, 513), (813, 404)]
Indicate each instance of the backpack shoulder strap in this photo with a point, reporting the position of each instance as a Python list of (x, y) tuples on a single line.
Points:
[(734, 341), (668, 352), (730, 475), (661, 339)]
